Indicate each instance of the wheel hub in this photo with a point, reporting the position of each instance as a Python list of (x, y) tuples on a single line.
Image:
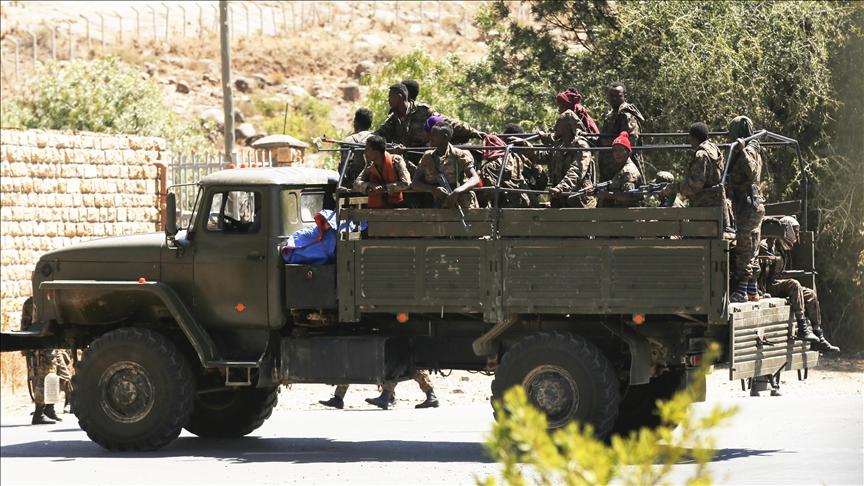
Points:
[(554, 392), (127, 392)]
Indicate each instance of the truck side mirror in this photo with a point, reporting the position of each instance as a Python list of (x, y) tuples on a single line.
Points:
[(171, 215)]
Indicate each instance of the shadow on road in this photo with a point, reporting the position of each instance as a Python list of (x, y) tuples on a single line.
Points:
[(252, 450)]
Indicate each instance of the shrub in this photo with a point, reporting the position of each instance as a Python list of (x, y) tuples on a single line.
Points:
[(521, 442), (105, 95)]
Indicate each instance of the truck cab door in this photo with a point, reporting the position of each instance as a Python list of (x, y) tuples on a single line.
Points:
[(231, 259)]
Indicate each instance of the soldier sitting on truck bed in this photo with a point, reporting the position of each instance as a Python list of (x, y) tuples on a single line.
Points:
[(626, 177), (384, 178), (702, 184), (803, 301), (569, 170), (362, 123), (447, 172), (511, 178)]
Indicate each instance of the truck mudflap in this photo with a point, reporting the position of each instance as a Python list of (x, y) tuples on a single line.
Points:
[(763, 342)]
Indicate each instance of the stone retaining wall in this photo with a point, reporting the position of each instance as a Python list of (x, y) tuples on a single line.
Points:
[(60, 188)]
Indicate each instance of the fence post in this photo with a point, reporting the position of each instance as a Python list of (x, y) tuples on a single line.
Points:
[(260, 19), (167, 19), (137, 23), (33, 45), (246, 13), (71, 39), (101, 31), (17, 60), (200, 20), (183, 12), (120, 27), (89, 44), (54, 42)]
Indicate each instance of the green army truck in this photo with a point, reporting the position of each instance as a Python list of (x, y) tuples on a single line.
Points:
[(595, 312)]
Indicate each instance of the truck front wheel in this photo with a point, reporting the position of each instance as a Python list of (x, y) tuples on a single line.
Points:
[(231, 413), (132, 390), (565, 376)]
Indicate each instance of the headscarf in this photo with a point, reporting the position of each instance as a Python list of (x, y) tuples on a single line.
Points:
[(742, 127), (571, 99), (493, 141), (790, 232), (431, 122)]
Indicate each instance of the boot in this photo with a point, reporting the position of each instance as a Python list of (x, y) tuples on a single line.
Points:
[(384, 401), (38, 417), (805, 332), (334, 402), (823, 345), (431, 401), (50, 413)]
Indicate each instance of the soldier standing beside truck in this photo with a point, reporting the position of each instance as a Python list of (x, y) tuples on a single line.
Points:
[(745, 168)]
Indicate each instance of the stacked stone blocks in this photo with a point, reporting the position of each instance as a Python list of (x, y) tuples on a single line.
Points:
[(60, 188)]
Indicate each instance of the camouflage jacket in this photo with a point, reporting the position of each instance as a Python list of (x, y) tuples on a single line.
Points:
[(744, 173), (569, 170), (410, 132), (625, 118), (456, 166), (701, 186), (624, 180)]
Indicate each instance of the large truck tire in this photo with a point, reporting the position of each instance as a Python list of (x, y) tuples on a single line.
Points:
[(231, 413), (565, 376), (132, 390), (639, 406)]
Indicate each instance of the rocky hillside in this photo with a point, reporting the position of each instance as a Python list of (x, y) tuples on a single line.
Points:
[(276, 59)]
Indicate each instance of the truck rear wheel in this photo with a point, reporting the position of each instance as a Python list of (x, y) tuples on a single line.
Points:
[(231, 413), (132, 390), (638, 407), (565, 376)]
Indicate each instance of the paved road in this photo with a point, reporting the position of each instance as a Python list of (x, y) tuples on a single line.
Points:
[(779, 440)]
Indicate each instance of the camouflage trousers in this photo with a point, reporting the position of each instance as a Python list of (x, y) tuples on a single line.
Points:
[(801, 299), (40, 363), (421, 377), (748, 233)]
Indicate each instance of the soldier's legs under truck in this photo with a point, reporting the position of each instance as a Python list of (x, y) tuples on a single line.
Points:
[(388, 393)]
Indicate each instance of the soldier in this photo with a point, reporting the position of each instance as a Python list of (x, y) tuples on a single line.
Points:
[(453, 165), (568, 170), (388, 393), (413, 88), (362, 124), (570, 99), (40, 362), (702, 184), (800, 298), (745, 168), (511, 178), (622, 117), (626, 176), (384, 178)]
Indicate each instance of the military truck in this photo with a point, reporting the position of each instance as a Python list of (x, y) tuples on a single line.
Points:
[(595, 312)]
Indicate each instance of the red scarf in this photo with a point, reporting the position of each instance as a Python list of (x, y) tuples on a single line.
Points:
[(376, 201), (572, 100)]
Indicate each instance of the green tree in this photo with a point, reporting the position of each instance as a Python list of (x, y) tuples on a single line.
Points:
[(790, 66), (105, 95)]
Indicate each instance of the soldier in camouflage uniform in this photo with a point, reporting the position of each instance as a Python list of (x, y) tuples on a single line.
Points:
[(405, 124), (744, 171), (702, 183), (803, 301), (512, 177), (362, 124), (569, 170), (388, 393), (626, 177), (457, 167), (622, 117), (41, 362)]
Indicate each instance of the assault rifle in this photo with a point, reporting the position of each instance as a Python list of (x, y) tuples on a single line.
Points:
[(442, 182), (655, 188)]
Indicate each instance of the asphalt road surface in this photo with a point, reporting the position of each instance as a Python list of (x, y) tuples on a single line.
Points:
[(796, 439)]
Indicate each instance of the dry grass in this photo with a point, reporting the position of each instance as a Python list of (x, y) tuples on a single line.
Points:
[(13, 372)]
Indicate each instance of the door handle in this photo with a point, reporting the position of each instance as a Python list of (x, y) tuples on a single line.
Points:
[(255, 255)]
